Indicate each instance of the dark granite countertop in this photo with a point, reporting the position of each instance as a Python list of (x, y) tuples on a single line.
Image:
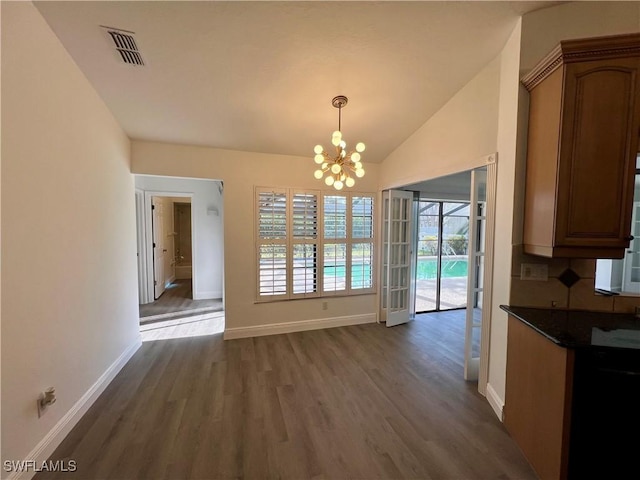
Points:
[(581, 328)]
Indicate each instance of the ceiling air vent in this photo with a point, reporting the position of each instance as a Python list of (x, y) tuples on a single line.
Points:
[(126, 45)]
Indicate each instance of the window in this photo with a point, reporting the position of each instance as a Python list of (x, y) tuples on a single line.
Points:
[(309, 244)]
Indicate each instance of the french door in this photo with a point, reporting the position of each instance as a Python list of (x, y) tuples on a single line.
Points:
[(475, 275), (396, 305)]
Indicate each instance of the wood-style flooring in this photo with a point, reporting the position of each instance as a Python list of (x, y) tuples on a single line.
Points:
[(177, 300), (361, 402)]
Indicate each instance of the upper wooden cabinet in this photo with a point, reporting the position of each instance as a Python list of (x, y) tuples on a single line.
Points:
[(584, 122)]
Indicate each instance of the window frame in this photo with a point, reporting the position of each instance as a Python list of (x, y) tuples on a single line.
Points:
[(319, 240)]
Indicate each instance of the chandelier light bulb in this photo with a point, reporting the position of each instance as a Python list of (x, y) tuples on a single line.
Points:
[(341, 167)]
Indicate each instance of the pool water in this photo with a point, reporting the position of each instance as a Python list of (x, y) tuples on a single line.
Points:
[(427, 268)]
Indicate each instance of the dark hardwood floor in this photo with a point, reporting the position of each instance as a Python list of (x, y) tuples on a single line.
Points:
[(360, 402)]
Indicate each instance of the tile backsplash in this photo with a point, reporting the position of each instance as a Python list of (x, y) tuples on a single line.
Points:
[(553, 293)]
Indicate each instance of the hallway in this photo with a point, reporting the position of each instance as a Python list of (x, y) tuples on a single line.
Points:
[(177, 301)]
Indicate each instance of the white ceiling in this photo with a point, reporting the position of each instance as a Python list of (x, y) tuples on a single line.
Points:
[(260, 76)]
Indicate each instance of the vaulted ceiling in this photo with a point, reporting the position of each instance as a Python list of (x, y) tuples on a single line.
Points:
[(260, 76)]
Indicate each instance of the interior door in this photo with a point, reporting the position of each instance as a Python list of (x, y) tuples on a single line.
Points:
[(396, 264), (632, 255), (157, 225), (475, 274)]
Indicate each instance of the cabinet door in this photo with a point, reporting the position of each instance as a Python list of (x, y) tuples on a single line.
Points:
[(601, 116)]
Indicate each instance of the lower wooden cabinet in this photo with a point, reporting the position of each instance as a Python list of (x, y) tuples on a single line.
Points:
[(537, 411), (574, 412)]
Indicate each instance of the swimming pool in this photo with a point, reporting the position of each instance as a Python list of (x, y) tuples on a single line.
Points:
[(427, 269)]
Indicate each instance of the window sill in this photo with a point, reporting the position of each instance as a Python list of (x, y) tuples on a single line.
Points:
[(318, 297)]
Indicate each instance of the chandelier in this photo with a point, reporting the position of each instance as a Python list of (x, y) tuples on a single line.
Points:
[(342, 165)]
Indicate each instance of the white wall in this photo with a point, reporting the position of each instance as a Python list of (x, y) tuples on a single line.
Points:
[(69, 290), (454, 140), (508, 111), (241, 171), (207, 228)]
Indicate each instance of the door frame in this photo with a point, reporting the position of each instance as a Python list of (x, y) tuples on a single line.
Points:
[(141, 242), (148, 236), (487, 281), (491, 162)]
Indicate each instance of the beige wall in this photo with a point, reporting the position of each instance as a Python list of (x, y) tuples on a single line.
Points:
[(455, 139), (241, 172), (69, 289), (509, 112)]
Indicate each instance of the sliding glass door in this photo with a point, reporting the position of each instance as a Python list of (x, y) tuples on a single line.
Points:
[(443, 243)]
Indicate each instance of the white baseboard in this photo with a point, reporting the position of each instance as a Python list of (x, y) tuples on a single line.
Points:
[(211, 295), (299, 326), (496, 402), (57, 434)]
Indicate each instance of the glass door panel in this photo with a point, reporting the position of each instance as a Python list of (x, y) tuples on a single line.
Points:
[(441, 265), (396, 259), (453, 264), (427, 259)]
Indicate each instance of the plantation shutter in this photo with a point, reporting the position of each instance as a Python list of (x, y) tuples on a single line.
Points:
[(335, 243), (272, 242), (305, 243), (362, 238)]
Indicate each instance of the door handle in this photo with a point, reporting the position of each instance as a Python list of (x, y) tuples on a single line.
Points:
[(164, 250)]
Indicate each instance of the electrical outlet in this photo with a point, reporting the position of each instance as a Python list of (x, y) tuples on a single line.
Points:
[(534, 271), (325, 305)]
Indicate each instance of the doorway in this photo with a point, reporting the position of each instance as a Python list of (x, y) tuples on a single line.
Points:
[(189, 238), (452, 224), (182, 240), (442, 255)]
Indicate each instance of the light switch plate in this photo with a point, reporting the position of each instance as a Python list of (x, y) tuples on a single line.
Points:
[(534, 271)]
